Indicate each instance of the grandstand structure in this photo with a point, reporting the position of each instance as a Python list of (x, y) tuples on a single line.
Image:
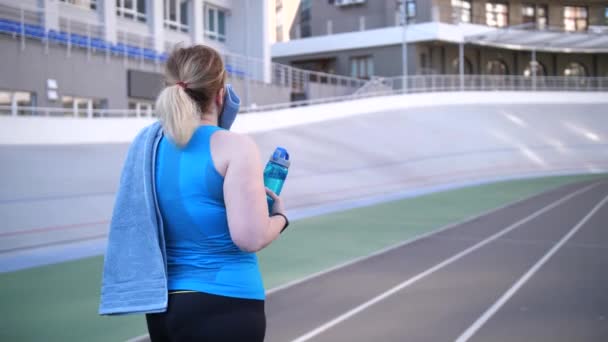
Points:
[(105, 58), (102, 58)]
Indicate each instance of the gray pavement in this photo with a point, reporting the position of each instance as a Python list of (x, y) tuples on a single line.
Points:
[(440, 306)]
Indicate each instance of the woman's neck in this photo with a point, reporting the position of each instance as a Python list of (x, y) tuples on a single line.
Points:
[(209, 120)]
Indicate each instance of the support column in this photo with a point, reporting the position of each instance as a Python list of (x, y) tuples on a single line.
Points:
[(533, 69), (157, 23), (266, 58), (51, 14), (198, 18), (461, 63), (108, 17)]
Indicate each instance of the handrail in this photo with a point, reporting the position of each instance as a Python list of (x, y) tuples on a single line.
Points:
[(389, 86)]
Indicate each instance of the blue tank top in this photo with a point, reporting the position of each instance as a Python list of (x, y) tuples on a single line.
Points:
[(200, 253)]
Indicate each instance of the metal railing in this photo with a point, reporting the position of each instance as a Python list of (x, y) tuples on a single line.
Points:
[(376, 87)]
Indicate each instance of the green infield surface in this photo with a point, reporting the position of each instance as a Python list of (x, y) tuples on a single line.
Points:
[(59, 302)]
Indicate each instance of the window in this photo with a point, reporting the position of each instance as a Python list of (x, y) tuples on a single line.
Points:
[(468, 66), (305, 27), (540, 69), (575, 69), (462, 11), (279, 34), (496, 67), (86, 4), (497, 14), (216, 24), (362, 67), (141, 108), (410, 7), (131, 9), (575, 18), (176, 15), (361, 23), (279, 24), (606, 16), (535, 14), (13, 100), (82, 106)]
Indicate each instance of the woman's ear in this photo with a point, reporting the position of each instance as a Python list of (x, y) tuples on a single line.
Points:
[(219, 98)]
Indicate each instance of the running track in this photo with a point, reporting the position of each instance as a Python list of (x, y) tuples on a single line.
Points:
[(531, 271)]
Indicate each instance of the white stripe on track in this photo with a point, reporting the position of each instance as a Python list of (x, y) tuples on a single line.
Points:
[(435, 268), (467, 334)]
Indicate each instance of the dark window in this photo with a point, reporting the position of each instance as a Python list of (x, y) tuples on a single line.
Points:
[(462, 11), (305, 27), (86, 4), (496, 67), (497, 14), (535, 14), (540, 69), (362, 67), (468, 66), (131, 9), (575, 69), (575, 18)]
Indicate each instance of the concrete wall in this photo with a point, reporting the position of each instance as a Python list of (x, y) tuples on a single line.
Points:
[(95, 76), (387, 59), (556, 10), (42, 130)]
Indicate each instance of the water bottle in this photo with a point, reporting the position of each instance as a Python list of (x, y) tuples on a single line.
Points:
[(275, 173)]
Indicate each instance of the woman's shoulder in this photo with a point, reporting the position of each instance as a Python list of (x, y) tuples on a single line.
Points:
[(227, 146), (235, 142)]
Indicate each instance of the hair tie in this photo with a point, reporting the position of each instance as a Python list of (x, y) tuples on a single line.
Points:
[(184, 85)]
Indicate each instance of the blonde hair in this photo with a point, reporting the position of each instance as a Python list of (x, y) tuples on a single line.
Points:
[(193, 76)]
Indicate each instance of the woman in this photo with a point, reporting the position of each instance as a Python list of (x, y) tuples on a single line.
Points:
[(212, 200)]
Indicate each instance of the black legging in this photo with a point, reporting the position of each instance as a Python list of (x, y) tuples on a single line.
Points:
[(196, 316)]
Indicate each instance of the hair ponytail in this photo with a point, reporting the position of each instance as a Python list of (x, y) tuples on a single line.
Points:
[(193, 76), (178, 114)]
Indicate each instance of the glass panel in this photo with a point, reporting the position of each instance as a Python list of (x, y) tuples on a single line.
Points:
[(496, 68), (221, 23), (581, 24), (353, 68), (370, 66), (141, 6), (542, 11), (211, 20), (411, 8), (528, 11), (23, 98), (184, 12), (172, 10), (5, 98), (362, 71), (575, 69)]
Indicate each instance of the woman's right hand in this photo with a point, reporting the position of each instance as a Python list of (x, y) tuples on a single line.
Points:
[(277, 206)]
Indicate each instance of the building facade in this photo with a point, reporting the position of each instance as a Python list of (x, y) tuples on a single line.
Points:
[(363, 38), (92, 54)]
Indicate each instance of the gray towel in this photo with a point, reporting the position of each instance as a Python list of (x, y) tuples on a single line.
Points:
[(135, 273)]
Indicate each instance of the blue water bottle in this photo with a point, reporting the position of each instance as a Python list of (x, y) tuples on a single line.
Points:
[(276, 172)]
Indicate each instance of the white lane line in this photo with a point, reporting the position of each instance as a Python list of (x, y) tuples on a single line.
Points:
[(467, 334), (145, 338), (410, 241), (435, 268)]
